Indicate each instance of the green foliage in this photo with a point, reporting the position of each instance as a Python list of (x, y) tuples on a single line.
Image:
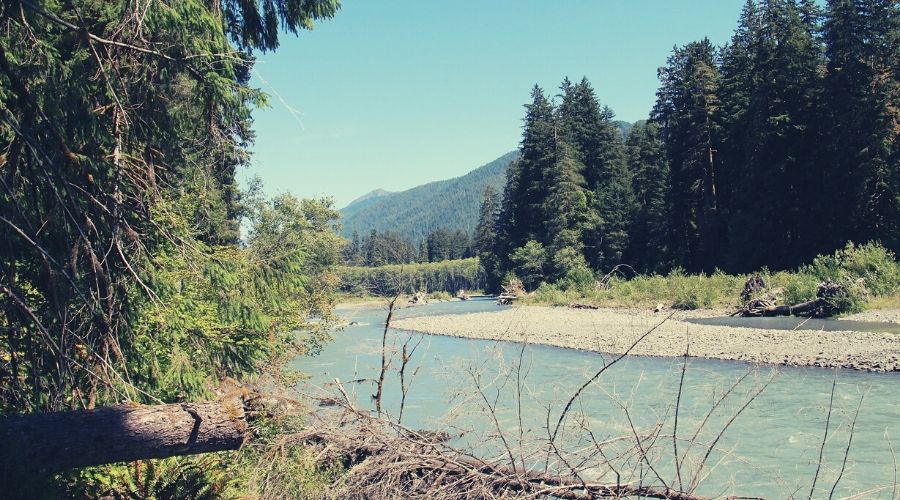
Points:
[(770, 150), (869, 273), (485, 239), (572, 270), (440, 295), (122, 275), (447, 276), (876, 266), (530, 261)]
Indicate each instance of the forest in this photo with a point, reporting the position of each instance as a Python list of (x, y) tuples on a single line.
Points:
[(124, 276), (388, 247), (138, 273), (779, 146)]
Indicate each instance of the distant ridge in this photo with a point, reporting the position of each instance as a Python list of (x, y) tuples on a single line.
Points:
[(377, 193), (416, 212)]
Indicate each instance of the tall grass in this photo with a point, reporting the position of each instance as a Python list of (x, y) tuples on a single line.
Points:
[(870, 271)]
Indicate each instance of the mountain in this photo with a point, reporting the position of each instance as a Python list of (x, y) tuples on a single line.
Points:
[(414, 213), (364, 201)]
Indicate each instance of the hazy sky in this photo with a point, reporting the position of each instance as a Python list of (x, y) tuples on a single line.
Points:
[(396, 93)]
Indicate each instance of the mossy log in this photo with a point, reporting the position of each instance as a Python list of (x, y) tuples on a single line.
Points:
[(53, 442)]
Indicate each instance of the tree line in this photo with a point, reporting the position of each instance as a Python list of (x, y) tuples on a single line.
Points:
[(389, 247), (778, 146)]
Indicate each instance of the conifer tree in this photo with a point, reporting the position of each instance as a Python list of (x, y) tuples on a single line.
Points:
[(537, 157), (594, 141), (862, 91), (686, 109), (485, 240), (648, 246), (776, 187)]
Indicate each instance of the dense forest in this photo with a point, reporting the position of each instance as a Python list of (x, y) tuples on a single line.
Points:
[(765, 152), (378, 249), (124, 277)]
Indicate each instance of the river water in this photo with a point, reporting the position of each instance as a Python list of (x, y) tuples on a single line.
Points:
[(770, 450)]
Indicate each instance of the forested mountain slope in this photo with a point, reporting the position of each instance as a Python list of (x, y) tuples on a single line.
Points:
[(416, 212)]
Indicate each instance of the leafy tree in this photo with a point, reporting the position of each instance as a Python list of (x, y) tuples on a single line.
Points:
[(530, 261)]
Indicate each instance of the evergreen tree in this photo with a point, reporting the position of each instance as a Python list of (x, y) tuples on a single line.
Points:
[(485, 240), (862, 91), (648, 250), (594, 142), (686, 109), (775, 191), (537, 156)]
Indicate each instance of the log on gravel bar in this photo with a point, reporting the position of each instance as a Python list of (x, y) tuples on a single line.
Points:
[(53, 442)]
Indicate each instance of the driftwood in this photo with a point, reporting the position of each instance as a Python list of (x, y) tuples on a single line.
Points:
[(511, 291), (53, 442), (827, 301), (386, 462)]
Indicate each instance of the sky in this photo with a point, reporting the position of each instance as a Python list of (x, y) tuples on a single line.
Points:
[(392, 94)]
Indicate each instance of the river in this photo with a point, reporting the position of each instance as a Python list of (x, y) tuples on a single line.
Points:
[(770, 450)]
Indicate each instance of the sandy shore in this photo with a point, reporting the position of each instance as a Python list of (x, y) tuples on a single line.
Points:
[(614, 330)]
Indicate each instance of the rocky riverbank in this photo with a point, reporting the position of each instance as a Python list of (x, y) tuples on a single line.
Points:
[(615, 330)]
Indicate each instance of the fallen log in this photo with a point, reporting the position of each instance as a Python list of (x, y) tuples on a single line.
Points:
[(829, 301), (804, 308), (53, 442)]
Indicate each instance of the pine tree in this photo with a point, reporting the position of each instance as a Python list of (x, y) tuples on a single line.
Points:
[(648, 250), (686, 110), (537, 157), (594, 142), (738, 66), (775, 189), (862, 91), (485, 240), (566, 206)]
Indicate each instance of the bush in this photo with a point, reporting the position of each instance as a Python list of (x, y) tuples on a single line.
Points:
[(872, 263), (530, 261), (573, 271), (440, 295), (551, 294)]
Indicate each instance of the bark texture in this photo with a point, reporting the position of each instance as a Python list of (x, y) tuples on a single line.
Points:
[(52, 442)]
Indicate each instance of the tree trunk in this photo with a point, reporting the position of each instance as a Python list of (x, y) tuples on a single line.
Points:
[(52, 442)]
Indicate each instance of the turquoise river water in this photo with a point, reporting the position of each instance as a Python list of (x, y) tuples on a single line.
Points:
[(770, 450)]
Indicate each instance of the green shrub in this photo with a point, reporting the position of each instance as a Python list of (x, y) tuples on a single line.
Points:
[(798, 287), (872, 263), (551, 295), (530, 260), (440, 295)]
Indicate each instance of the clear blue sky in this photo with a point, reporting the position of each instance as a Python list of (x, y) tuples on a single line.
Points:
[(396, 93)]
